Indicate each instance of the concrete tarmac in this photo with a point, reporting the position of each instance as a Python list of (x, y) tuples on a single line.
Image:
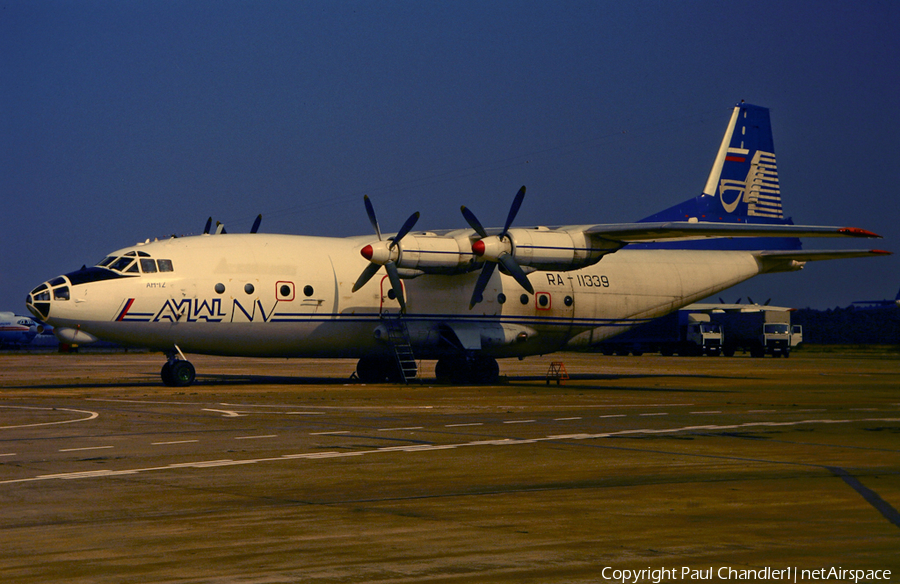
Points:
[(286, 471)]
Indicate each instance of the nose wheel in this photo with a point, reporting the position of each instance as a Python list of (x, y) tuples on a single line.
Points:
[(177, 372)]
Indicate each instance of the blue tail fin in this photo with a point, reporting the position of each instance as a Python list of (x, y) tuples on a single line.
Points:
[(742, 186)]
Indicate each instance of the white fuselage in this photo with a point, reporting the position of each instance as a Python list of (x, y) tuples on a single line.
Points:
[(290, 296)]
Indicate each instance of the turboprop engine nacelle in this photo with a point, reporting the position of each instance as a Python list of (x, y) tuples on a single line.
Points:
[(543, 249), (423, 253)]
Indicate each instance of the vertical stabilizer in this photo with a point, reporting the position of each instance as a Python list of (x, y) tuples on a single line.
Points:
[(742, 186)]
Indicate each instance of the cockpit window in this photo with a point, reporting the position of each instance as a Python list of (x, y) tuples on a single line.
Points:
[(120, 264), (41, 293), (131, 261), (61, 293)]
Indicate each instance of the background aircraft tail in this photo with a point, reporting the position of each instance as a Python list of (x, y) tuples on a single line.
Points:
[(742, 186)]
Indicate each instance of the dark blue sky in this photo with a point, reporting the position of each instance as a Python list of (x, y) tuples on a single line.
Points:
[(123, 121)]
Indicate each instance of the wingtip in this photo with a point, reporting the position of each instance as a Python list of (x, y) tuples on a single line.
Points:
[(858, 232)]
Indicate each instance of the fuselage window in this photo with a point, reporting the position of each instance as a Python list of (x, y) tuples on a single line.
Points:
[(284, 291), (148, 266), (220, 288), (248, 288), (307, 290), (165, 265)]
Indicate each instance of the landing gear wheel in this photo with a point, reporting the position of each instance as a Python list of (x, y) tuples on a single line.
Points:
[(178, 373), (378, 369), (459, 370), (485, 370)]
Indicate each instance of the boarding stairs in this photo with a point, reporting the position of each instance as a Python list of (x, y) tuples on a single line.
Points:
[(398, 339)]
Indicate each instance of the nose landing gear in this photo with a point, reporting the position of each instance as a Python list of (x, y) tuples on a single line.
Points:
[(177, 372)]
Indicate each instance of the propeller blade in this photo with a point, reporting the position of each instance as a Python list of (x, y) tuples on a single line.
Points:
[(410, 223), (515, 271), (370, 211), (365, 276), (473, 221), (750, 300), (220, 228), (208, 226), (394, 276), (514, 209), (256, 223), (487, 270)]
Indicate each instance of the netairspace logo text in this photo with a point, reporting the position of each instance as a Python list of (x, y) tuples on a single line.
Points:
[(790, 574)]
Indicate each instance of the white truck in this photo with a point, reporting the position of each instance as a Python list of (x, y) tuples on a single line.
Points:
[(759, 330), (683, 332)]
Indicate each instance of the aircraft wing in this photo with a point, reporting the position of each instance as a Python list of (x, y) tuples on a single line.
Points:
[(801, 255), (684, 230)]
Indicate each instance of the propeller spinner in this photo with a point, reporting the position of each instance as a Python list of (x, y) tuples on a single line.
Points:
[(496, 249), (384, 253)]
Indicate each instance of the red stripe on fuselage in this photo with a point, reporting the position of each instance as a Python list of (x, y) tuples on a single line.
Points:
[(126, 309)]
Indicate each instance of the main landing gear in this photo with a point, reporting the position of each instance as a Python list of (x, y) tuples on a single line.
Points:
[(379, 369), (177, 372), (470, 369)]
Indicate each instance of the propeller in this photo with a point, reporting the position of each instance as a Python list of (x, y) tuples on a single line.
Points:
[(220, 227), (382, 254), (496, 249)]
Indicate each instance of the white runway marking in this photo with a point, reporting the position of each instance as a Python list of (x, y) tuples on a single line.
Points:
[(398, 429), (565, 419), (463, 425), (173, 442), (84, 448), (329, 433), (91, 416), (655, 414), (430, 447), (519, 421), (226, 413), (255, 437)]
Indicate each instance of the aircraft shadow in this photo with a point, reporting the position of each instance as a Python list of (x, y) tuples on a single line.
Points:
[(576, 381)]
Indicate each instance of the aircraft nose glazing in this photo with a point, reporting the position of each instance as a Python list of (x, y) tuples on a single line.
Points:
[(40, 299)]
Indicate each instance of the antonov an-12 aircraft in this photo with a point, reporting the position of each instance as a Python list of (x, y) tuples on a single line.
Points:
[(389, 300)]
